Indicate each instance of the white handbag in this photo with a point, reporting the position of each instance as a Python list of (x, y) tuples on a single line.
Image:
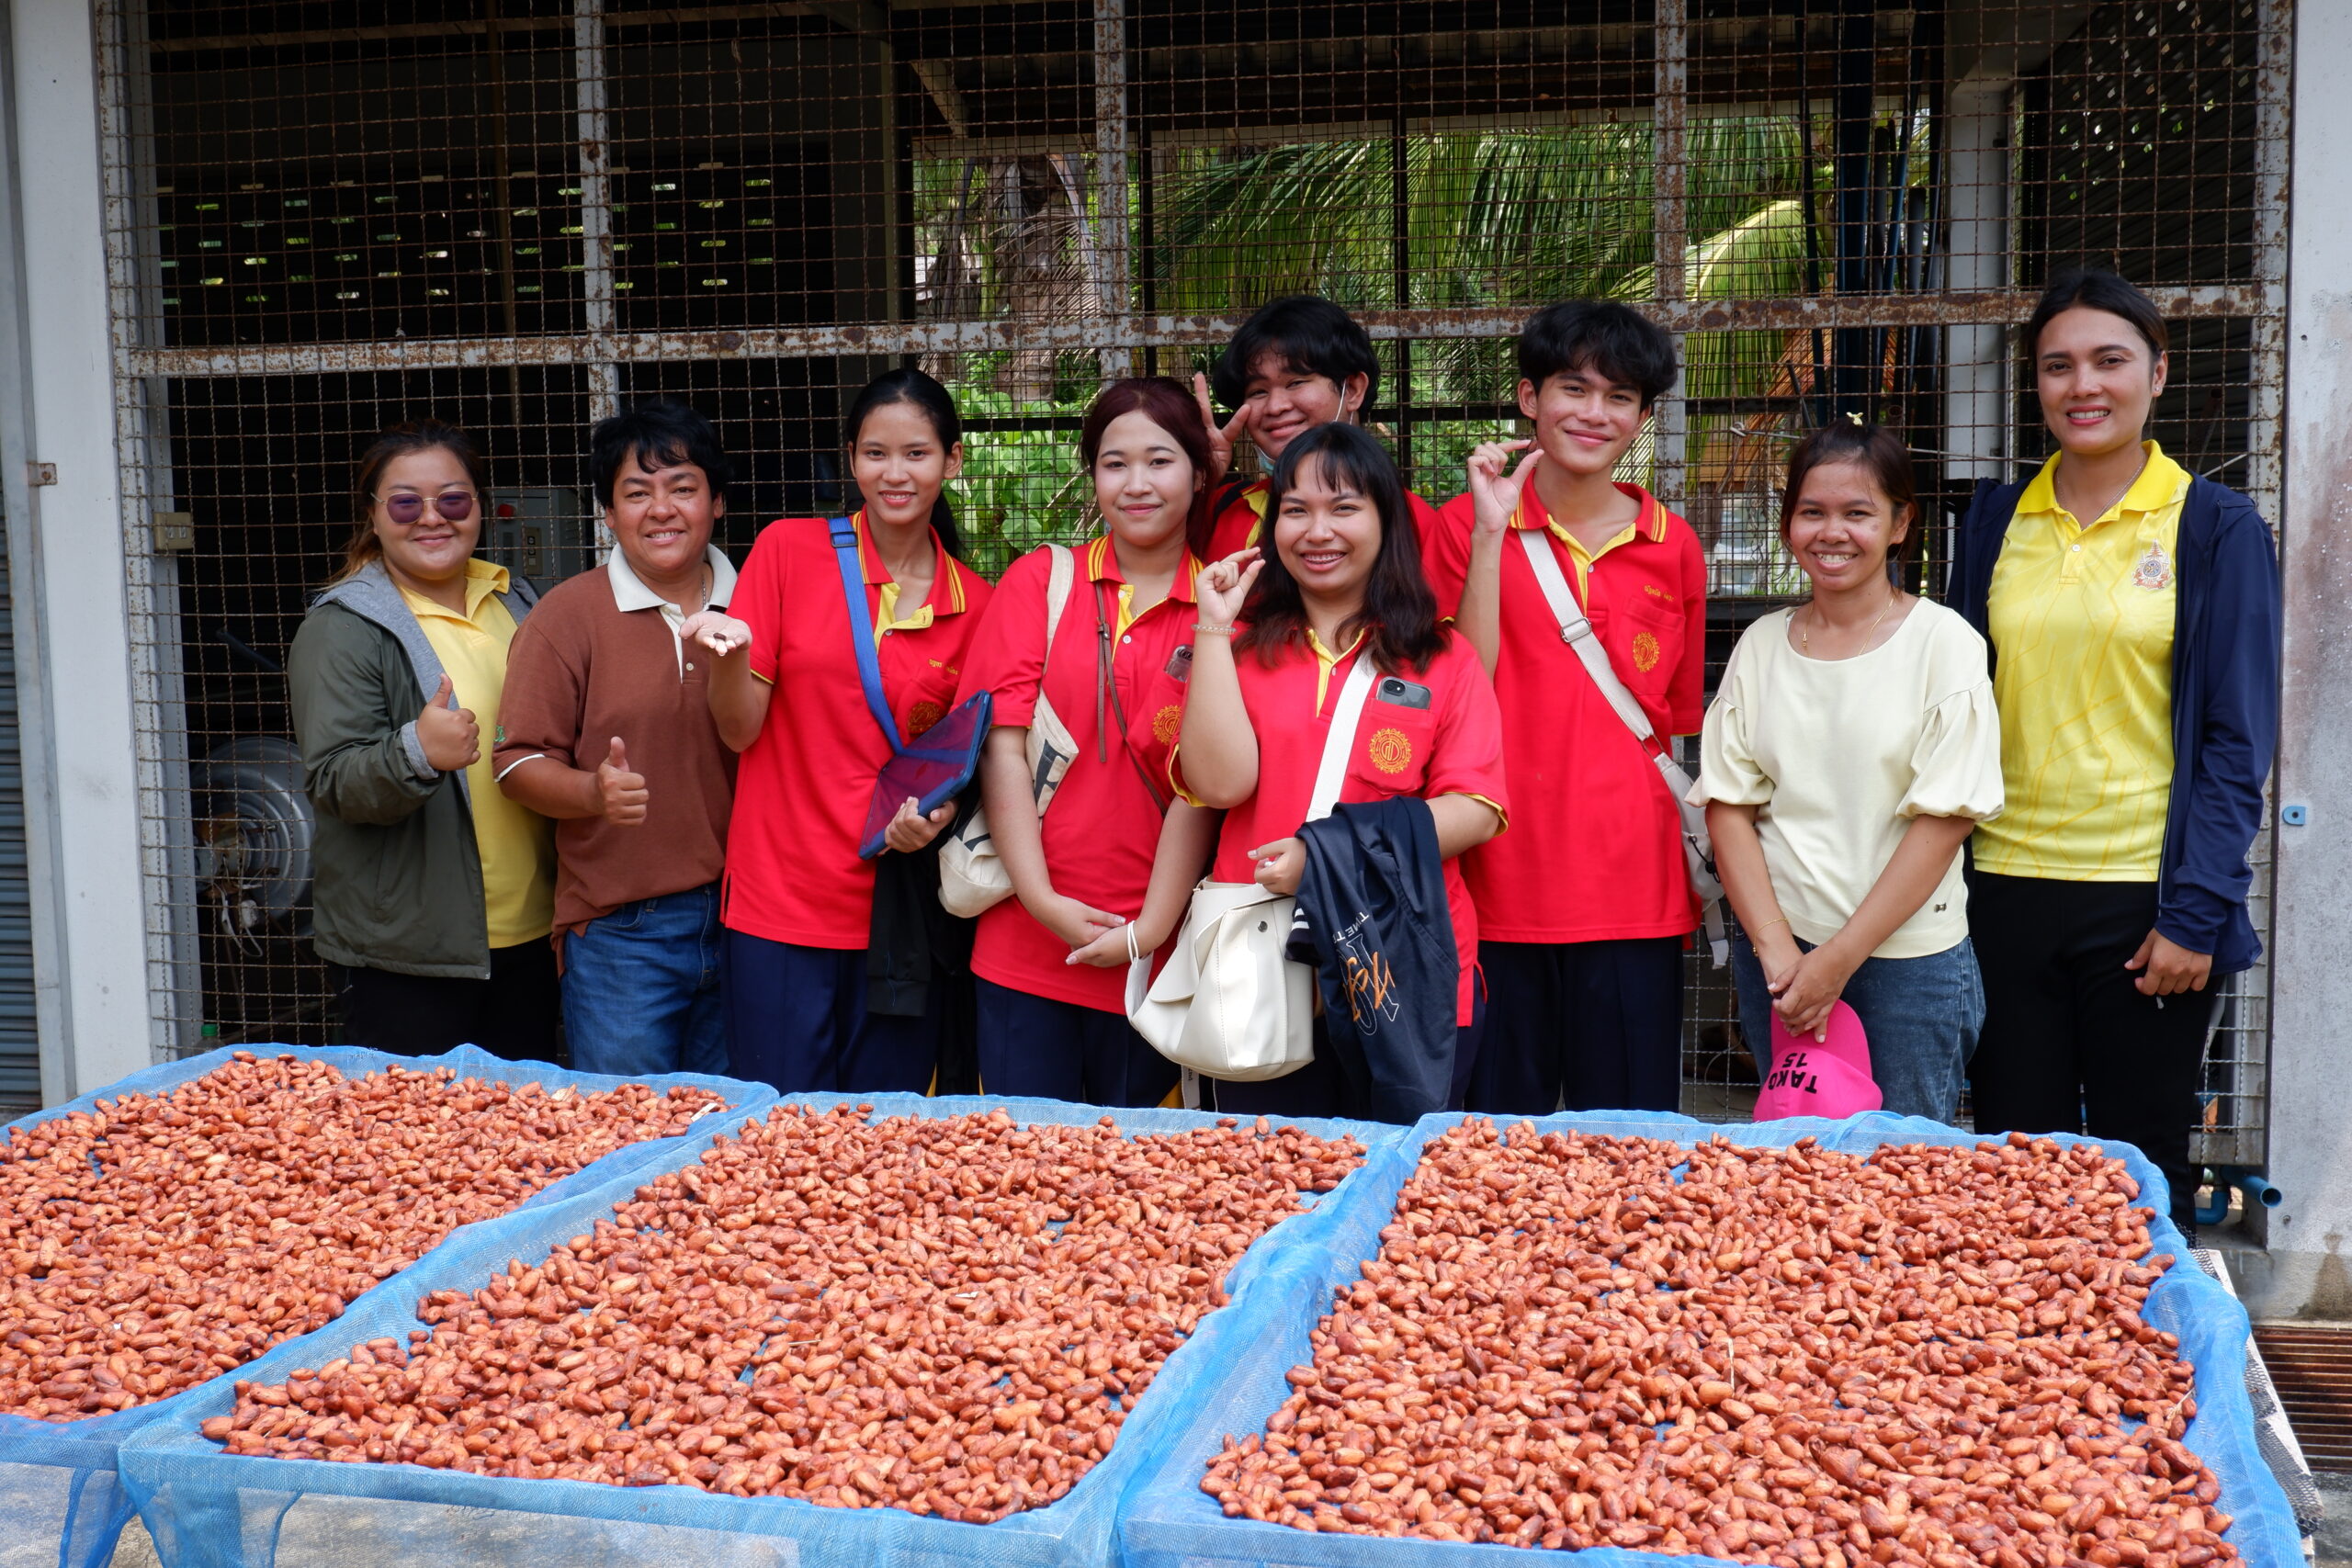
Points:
[(1698, 849), (1231, 1004), (971, 873)]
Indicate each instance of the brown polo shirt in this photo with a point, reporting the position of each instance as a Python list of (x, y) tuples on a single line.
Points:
[(600, 656)]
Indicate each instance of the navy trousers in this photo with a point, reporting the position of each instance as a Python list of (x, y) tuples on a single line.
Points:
[(1580, 1026), (1037, 1046), (1322, 1087), (797, 1019)]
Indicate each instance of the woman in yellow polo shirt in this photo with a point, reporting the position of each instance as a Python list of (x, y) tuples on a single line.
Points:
[(433, 893), (2132, 610)]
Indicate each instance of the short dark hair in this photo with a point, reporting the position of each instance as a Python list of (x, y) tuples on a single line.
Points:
[(2099, 289), (907, 385), (1399, 615), (1880, 453), (1601, 336), (1308, 332), (661, 433)]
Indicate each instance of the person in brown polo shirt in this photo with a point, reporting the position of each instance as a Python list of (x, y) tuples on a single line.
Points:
[(605, 728)]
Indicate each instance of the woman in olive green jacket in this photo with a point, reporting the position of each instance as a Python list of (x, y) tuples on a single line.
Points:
[(433, 893)]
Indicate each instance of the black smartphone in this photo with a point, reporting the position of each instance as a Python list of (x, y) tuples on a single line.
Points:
[(1401, 692)]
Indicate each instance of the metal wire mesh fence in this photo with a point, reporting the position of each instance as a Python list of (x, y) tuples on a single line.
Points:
[(516, 214)]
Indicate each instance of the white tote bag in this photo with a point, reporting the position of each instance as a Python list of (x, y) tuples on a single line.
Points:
[(971, 873), (1230, 1004)]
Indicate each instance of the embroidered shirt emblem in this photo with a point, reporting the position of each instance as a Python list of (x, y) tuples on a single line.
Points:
[(922, 715), (1645, 651), (1166, 722), (1390, 751), (2154, 570)]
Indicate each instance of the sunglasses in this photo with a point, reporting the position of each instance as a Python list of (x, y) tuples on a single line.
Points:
[(407, 506)]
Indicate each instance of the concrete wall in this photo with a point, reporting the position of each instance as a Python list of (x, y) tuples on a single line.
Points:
[(2307, 1271)]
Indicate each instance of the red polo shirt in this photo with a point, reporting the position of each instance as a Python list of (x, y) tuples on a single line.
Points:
[(1103, 824), (1454, 745), (802, 789), (1595, 852), (1241, 519)]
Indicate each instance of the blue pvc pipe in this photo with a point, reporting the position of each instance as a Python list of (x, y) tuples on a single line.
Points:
[(2259, 1190)]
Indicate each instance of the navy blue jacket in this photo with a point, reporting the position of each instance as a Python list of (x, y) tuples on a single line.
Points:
[(2225, 657), (1372, 918)]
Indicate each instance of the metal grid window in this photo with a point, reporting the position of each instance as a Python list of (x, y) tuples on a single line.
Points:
[(516, 214)]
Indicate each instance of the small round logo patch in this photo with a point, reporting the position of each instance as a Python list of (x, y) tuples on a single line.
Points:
[(1390, 751), (1645, 653), (922, 715), (1166, 722)]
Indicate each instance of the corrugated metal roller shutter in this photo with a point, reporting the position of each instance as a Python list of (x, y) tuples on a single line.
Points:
[(19, 1036)]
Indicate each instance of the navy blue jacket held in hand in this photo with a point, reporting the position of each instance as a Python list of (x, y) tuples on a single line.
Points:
[(2225, 658), (1373, 921)]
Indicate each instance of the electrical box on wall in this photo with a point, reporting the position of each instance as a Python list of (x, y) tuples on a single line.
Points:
[(545, 532)]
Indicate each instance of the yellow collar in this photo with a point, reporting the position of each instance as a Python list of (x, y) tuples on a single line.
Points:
[(2160, 483)]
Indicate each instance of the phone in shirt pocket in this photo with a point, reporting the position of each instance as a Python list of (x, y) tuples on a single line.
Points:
[(1394, 735)]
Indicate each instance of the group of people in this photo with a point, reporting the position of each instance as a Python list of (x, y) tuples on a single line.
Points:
[(2011, 829)]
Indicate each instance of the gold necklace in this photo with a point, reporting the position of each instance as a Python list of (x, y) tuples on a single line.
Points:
[(1805, 638), (2118, 494)]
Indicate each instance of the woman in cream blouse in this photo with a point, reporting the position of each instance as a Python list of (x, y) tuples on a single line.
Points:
[(1850, 749)]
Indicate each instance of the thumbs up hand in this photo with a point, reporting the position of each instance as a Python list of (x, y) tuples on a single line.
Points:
[(622, 792), (449, 735)]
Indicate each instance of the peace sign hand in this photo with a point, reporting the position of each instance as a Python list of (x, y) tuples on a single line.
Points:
[(1222, 438), (1223, 587), (1496, 486)]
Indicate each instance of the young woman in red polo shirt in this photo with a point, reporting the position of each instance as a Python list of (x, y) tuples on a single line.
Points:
[(1344, 581), (1113, 848), (784, 691)]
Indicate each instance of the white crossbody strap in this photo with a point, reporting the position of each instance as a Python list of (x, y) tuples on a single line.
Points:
[(1578, 632), (1057, 582), (1333, 770)]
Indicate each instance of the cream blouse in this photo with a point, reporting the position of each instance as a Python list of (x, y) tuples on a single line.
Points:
[(1840, 754)]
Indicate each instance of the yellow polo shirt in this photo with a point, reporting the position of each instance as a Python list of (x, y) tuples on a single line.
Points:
[(517, 844), (2081, 624)]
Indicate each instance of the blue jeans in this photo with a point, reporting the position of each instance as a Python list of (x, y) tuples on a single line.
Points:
[(640, 989), (1921, 1016)]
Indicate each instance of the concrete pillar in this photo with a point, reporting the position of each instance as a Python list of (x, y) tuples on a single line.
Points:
[(2309, 1268)]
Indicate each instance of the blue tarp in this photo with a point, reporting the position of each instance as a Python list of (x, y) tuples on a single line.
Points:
[(62, 1503), (1170, 1523), (207, 1508)]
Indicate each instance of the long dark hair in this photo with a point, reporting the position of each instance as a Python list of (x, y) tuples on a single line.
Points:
[(1878, 451), (398, 441), (1399, 612), (1163, 400), (914, 386), (2096, 289)]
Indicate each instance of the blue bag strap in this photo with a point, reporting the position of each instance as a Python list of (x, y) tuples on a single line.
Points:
[(861, 628)]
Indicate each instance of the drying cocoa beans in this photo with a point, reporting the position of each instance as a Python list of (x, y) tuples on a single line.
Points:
[(160, 1240), (951, 1316), (1923, 1358)]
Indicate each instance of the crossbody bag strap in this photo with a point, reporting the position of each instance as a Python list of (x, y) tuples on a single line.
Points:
[(861, 628), (1578, 632), (1106, 684), (1333, 770), (1063, 568)]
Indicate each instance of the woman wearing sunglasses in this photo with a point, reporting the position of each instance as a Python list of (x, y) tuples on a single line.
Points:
[(434, 892)]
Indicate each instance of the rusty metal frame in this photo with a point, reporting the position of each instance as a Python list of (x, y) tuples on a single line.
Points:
[(2198, 302)]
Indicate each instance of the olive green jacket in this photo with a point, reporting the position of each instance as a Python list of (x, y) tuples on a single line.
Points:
[(398, 880)]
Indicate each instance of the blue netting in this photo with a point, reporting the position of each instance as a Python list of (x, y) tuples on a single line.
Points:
[(210, 1509), (61, 1500), (1170, 1523)]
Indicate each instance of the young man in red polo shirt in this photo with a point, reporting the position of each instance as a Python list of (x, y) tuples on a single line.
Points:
[(1583, 908), (1298, 361)]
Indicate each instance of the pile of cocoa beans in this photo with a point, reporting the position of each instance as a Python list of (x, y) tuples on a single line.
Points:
[(950, 1317), (1930, 1357), (160, 1240)]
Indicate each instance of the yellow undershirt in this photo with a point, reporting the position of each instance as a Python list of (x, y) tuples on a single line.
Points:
[(516, 844), (2082, 622)]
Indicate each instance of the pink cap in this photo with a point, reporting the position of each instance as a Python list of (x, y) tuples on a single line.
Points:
[(1820, 1077)]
